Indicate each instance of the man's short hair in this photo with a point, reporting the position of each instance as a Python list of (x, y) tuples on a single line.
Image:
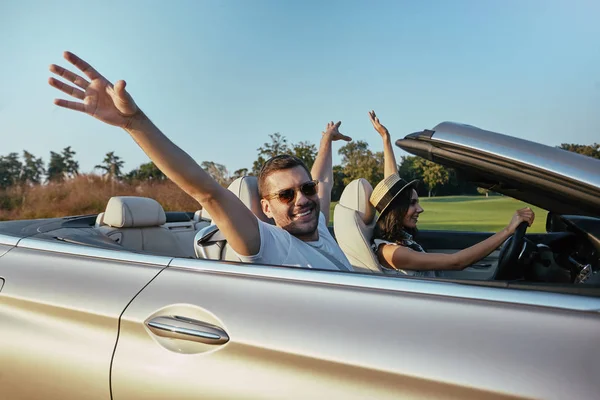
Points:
[(277, 163)]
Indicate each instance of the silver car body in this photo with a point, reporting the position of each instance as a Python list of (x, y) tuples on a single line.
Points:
[(79, 321)]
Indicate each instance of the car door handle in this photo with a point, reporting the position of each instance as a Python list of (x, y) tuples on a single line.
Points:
[(176, 327)]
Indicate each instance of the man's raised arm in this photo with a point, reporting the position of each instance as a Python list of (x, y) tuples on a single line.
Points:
[(323, 167), (114, 106)]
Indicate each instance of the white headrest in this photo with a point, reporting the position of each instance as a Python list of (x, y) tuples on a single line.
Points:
[(204, 214), (246, 188), (99, 220), (356, 197), (133, 212)]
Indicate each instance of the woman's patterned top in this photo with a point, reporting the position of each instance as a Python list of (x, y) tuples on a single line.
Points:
[(406, 241)]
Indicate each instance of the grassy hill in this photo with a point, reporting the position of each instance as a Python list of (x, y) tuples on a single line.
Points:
[(474, 213)]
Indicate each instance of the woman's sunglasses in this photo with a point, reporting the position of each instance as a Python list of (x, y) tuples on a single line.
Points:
[(286, 196)]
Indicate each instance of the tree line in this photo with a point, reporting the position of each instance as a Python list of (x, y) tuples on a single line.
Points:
[(357, 161)]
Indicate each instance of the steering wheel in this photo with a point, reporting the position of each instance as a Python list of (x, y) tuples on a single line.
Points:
[(507, 268)]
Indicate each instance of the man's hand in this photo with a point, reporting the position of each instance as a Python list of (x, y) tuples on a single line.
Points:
[(101, 100), (113, 105), (377, 125), (323, 166), (332, 131)]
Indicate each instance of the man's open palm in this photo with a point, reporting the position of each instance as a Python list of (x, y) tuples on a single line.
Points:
[(332, 129), (102, 100)]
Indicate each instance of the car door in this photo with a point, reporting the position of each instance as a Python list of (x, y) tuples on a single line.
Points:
[(59, 314), (208, 329)]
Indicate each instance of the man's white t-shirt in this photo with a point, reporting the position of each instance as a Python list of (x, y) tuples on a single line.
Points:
[(279, 247)]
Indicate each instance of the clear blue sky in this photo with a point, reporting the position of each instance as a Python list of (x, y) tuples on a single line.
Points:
[(219, 76)]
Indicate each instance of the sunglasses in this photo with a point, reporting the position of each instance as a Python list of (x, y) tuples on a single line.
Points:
[(286, 196)]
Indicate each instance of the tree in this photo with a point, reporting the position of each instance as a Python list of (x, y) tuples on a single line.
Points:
[(239, 173), (587, 150), (407, 169), (146, 172), (305, 151), (257, 165), (433, 174), (338, 182), (112, 165), (277, 146), (56, 168), (71, 166), (360, 162), (32, 170), (485, 191), (62, 165), (217, 171), (10, 170)]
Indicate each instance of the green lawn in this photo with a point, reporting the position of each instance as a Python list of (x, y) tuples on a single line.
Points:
[(474, 213)]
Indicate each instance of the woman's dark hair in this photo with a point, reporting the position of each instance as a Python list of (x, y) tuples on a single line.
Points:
[(390, 223)]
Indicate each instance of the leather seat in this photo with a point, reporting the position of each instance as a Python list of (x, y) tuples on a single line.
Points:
[(246, 189), (136, 224), (353, 224), (210, 242), (99, 220)]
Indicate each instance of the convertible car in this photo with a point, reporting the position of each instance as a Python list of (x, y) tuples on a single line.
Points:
[(136, 303)]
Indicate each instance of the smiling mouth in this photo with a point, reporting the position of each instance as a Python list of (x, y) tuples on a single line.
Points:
[(303, 214)]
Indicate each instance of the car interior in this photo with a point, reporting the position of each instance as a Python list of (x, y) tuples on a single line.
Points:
[(568, 253), (140, 223)]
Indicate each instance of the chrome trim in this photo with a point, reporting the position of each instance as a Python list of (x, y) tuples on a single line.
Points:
[(571, 165), (9, 240), (176, 327), (406, 285), (183, 331), (522, 251), (81, 250), (205, 233), (202, 252), (202, 235)]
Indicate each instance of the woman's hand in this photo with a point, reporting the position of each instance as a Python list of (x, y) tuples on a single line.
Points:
[(523, 215), (382, 130)]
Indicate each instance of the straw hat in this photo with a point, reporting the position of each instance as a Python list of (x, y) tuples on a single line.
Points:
[(387, 190)]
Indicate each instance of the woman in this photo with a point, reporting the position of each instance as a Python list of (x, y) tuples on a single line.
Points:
[(398, 205)]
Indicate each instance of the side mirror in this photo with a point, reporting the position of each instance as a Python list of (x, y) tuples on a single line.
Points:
[(554, 223)]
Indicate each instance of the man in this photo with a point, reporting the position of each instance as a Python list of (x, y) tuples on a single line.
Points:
[(288, 194)]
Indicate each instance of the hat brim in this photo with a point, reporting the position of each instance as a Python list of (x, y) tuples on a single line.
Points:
[(412, 184)]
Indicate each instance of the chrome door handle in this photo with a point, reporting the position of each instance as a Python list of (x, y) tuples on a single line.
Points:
[(176, 327)]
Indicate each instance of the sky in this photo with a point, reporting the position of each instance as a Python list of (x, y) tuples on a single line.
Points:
[(219, 76)]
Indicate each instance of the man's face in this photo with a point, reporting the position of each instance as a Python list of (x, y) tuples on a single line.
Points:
[(300, 217)]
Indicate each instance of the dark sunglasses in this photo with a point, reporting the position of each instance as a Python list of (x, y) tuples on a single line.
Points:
[(286, 196)]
